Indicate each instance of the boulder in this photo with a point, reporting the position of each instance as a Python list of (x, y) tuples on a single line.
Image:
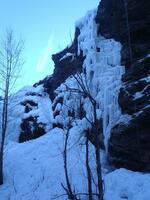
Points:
[(31, 129)]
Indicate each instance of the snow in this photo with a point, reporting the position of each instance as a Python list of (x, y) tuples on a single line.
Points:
[(123, 184), (141, 93), (67, 55), (34, 171), (125, 119), (33, 168), (147, 56)]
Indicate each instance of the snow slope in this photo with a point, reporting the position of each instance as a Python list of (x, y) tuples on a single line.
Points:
[(34, 171)]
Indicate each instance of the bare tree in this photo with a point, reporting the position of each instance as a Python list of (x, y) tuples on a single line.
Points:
[(84, 90), (10, 66), (70, 192)]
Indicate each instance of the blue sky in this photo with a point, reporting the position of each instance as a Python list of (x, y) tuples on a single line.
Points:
[(46, 26)]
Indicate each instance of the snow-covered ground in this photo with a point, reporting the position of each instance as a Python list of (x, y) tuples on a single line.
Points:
[(34, 171)]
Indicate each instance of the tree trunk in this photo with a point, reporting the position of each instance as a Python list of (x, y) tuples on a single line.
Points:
[(1, 167), (10, 65), (88, 169), (97, 155), (4, 127), (69, 191), (99, 173)]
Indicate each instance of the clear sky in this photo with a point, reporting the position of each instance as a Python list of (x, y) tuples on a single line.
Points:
[(46, 26)]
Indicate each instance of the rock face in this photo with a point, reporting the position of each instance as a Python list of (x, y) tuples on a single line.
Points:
[(31, 126), (120, 19), (67, 62), (128, 22), (129, 145), (31, 129)]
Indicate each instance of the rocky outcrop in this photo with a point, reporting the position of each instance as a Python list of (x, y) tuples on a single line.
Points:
[(67, 62), (129, 145), (31, 127), (128, 22), (135, 94), (119, 19)]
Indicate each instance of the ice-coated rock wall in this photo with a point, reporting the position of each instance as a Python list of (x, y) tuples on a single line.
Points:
[(103, 73)]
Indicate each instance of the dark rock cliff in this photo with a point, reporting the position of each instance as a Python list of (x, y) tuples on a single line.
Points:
[(128, 22), (129, 145), (119, 19)]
